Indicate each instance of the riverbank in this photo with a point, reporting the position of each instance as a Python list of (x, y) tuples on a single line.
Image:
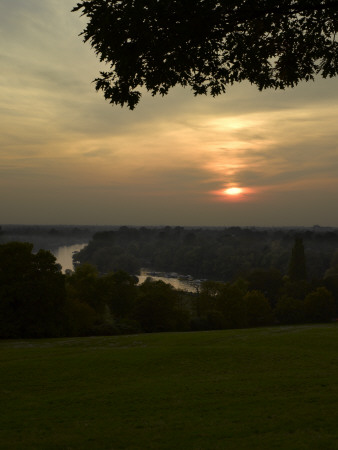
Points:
[(180, 282)]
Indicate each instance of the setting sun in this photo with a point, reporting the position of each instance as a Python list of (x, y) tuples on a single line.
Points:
[(233, 191), (233, 194)]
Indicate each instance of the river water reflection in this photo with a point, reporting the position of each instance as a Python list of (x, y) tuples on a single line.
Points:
[(177, 282), (64, 255)]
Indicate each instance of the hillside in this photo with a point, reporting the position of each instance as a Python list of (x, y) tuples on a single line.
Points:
[(235, 389)]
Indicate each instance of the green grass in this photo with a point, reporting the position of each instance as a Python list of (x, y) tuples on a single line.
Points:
[(268, 388)]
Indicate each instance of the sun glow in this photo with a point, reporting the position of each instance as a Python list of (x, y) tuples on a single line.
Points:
[(233, 191), (233, 194)]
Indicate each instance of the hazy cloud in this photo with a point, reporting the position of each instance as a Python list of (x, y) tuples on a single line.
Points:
[(67, 156)]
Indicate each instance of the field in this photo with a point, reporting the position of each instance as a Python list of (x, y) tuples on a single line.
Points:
[(239, 389)]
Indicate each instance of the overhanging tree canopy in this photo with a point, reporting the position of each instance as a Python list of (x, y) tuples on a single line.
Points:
[(209, 44)]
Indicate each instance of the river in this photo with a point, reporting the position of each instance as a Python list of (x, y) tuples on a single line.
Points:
[(64, 255), (177, 282), (64, 258)]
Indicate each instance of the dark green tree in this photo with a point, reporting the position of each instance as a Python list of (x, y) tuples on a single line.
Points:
[(80, 318), (209, 44), (319, 305), (209, 296), (157, 308), (269, 282), (209, 313), (32, 292), (119, 292), (297, 265), (83, 285), (289, 310), (258, 311), (231, 303), (221, 305)]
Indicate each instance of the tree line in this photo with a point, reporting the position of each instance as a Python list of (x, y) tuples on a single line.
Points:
[(209, 253), (37, 300)]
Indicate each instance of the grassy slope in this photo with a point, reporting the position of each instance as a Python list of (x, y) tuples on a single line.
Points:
[(238, 389)]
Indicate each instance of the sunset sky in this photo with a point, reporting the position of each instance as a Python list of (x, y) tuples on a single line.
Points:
[(68, 157)]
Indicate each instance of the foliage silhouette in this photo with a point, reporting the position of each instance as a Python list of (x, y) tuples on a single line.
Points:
[(32, 292), (209, 44), (297, 267), (37, 300), (319, 305)]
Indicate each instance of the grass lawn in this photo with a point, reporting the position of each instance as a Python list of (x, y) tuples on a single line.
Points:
[(267, 388)]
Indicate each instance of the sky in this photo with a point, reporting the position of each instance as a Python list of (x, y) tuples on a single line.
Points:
[(69, 157)]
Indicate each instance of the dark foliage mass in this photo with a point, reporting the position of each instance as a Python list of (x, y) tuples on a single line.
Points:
[(37, 300), (209, 44), (32, 292), (213, 253), (46, 236)]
